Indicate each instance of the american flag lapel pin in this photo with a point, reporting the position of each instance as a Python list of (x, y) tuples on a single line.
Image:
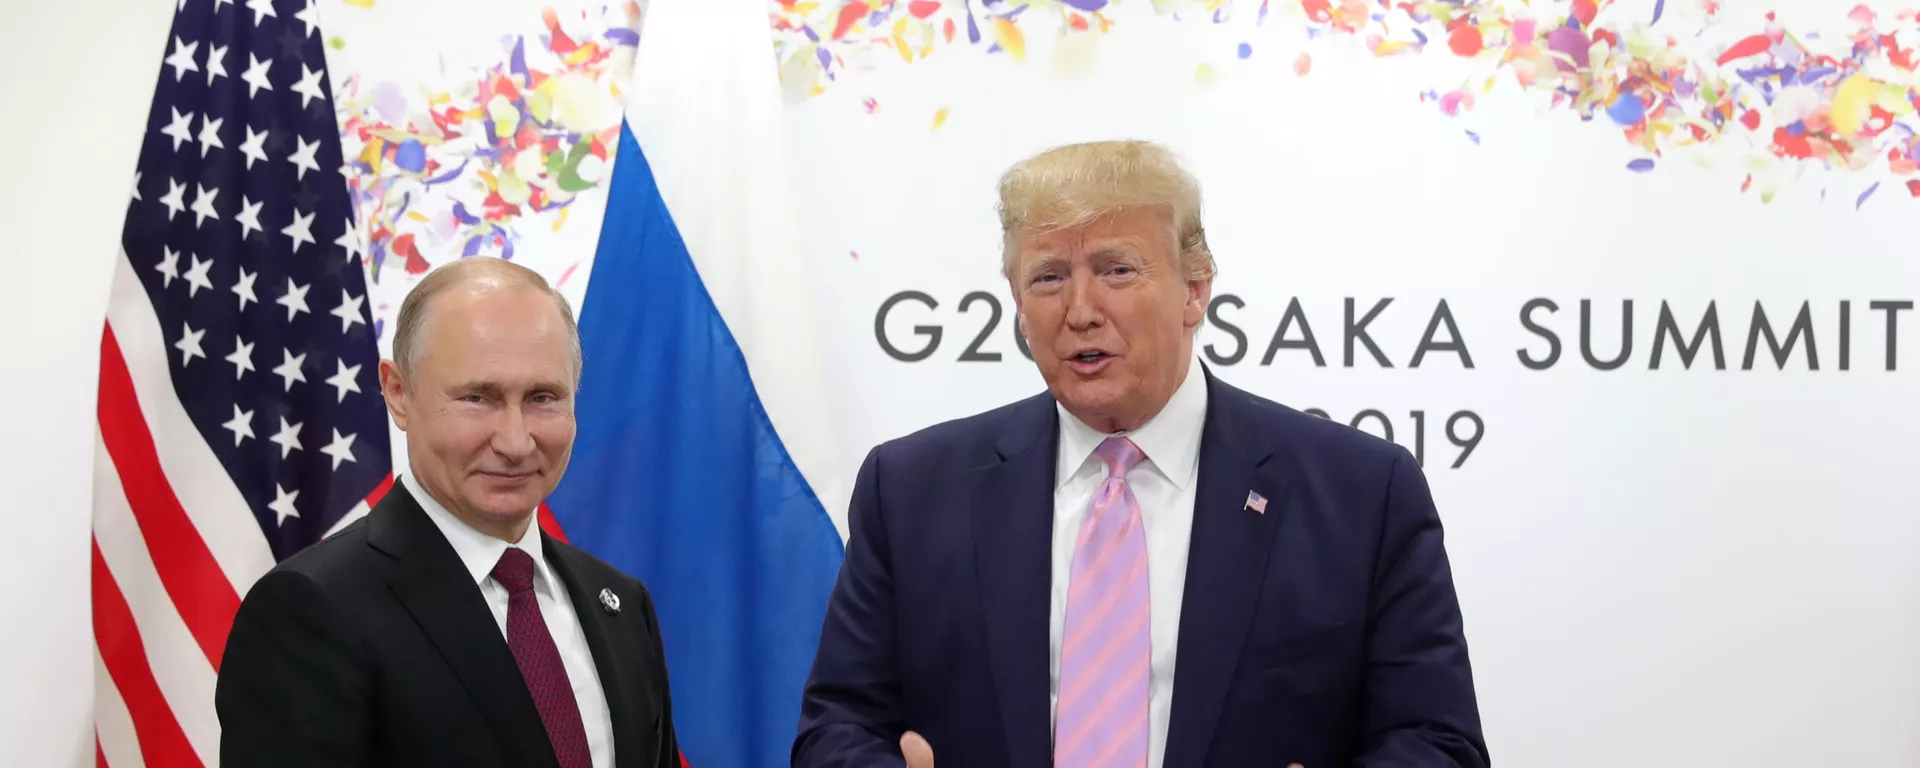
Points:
[(1256, 502)]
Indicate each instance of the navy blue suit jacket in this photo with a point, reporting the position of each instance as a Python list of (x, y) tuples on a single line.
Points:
[(1325, 631)]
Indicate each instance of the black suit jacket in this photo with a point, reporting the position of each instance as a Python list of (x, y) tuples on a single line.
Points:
[(376, 648)]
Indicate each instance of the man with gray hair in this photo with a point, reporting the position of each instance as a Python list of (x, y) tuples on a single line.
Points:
[(1143, 566), (445, 628)]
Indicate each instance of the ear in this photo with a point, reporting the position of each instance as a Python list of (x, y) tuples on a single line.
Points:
[(1199, 295), (394, 389)]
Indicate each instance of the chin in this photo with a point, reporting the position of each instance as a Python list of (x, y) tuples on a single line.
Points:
[(1089, 398)]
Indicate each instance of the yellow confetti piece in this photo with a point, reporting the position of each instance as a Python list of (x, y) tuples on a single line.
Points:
[(1009, 37), (1075, 57), (360, 3), (337, 43), (900, 40), (1206, 75), (373, 156), (1850, 103), (939, 118), (1851, 100), (417, 216)]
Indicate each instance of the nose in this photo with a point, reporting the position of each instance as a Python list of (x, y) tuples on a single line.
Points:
[(1083, 307), (512, 438)]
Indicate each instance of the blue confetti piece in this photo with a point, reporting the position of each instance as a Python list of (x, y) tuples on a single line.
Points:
[(411, 156), (1659, 7), (1640, 165), (1246, 50), (1862, 199), (1627, 110), (1474, 136), (1086, 5), (1419, 34), (624, 36)]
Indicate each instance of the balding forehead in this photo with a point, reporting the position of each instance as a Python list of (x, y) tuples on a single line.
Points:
[(455, 285)]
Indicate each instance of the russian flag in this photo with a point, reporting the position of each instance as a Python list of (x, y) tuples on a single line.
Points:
[(704, 465)]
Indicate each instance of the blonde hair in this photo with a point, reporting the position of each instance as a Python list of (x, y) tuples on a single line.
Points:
[(416, 307), (1071, 185)]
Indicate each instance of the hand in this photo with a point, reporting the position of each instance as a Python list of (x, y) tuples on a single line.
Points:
[(918, 752)]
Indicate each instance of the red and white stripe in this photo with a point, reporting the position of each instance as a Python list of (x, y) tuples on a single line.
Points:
[(175, 548)]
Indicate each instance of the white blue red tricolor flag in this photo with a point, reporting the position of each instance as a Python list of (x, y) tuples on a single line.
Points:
[(239, 410), (703, 465)]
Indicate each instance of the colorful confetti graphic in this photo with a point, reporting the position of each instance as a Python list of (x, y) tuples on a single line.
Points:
[(457, 169), (1847, 101)]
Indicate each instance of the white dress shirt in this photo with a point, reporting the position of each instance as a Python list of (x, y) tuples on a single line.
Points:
[(480, 553), (1164, 486)]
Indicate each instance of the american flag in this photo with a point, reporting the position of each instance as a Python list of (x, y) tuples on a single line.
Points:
[(240, 416)]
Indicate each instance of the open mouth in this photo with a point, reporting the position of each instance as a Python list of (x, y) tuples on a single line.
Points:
[(1089, 361)]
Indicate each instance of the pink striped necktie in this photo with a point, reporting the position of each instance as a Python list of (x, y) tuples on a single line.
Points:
[(1101, 715)]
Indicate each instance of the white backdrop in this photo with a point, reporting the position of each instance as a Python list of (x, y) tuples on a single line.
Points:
[(80, 80), (1664, 567)]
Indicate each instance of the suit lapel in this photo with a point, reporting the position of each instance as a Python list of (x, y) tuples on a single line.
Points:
[(1225, 567), (632, 720), (443, 599), (1013, 530)]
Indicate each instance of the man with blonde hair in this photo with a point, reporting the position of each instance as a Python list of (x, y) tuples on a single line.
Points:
[(1143, 566)]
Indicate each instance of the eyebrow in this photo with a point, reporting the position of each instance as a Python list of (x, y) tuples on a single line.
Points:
[(493, 389)]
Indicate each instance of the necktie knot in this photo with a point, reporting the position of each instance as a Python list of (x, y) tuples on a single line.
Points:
[(515, 570), (1121, 456)]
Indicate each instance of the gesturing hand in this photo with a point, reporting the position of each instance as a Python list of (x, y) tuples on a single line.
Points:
[(918, 752)]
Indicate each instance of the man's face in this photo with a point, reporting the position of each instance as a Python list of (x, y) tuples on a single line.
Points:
[(1108, 313), (488, 410)]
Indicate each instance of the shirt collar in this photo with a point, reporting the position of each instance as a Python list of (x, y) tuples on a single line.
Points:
[(478, 551), (1170, 440)]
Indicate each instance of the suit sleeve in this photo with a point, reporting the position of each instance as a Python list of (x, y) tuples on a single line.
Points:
[(669, 754), (293, 689), (850, 710), (1421, 709)]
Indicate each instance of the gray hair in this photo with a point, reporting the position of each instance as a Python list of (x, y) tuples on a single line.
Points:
[(415, 309)]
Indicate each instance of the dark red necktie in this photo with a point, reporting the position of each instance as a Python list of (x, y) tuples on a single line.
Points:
[(539, 661)]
